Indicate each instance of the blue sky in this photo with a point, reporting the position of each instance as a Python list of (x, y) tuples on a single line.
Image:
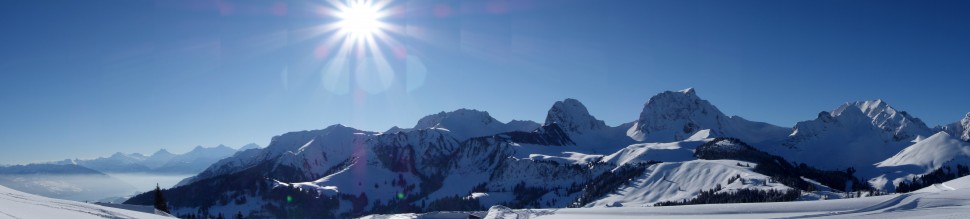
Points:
[(80, 79)]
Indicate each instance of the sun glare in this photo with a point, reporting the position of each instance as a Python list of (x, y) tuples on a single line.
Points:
[(360, 19)]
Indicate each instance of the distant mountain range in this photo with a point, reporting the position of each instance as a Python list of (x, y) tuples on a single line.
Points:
[(86, 180), (161, 162), (680, 147)]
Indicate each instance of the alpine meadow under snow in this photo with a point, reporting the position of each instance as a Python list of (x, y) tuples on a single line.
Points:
[(681, 150)]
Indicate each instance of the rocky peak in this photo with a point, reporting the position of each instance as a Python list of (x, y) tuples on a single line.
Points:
[(681, 113), (445, 119), (883, 116), (572, 116)]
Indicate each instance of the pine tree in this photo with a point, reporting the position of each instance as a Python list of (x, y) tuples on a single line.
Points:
[(239, 215), (160, 202)]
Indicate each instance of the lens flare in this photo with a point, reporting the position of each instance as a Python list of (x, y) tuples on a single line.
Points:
[(361, 52)]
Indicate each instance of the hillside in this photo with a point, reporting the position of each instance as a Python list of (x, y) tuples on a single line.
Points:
[(15, 204)]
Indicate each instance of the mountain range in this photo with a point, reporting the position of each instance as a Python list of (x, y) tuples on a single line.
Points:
[(113, 177), (680, 147), (160, 162)]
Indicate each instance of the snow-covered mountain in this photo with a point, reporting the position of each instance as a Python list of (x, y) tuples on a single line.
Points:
[(585, 131), (196, 160), (856, 134), (572, 116), (468, 123), (959, 129), (899, 123), (16, 204), (677, 115), (467, 160)]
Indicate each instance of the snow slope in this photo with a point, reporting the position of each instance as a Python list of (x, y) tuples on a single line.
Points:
[(946, 200), (16, 204), (930, 153), (922, 157), (684, 180)]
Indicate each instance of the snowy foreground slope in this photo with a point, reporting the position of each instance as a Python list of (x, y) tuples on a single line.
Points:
[(16, 204), (946, 200)]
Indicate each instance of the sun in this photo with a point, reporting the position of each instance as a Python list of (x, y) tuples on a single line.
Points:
[(360, 19)]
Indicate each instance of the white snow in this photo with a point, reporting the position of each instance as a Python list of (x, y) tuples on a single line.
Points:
[(666, 152), (885, 117), (840, 140), (930, 153), (947, 200), (675, 181), (16, 204), (960, 129), (467, 123)]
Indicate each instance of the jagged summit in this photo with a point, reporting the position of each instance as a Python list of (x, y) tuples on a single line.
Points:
[(959, 129), (863, 132), (572, 115), (885, 117)]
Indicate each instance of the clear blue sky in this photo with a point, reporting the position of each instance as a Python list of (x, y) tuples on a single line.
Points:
[(89, 78)]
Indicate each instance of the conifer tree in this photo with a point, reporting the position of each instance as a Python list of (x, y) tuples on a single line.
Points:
[(160, 202)]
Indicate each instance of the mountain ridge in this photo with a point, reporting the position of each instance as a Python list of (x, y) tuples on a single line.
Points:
[(162, 161), (466, 159)]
